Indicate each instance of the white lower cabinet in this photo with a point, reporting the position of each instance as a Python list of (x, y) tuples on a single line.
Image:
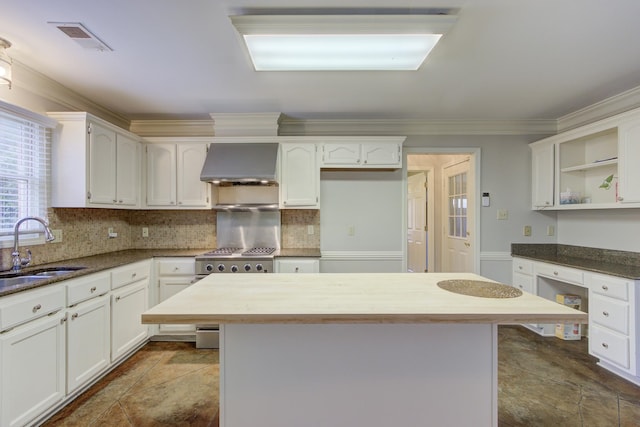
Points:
[(88, 349), (613, 318), (127, 305), (174, 275), (33, 370), (297, 265)]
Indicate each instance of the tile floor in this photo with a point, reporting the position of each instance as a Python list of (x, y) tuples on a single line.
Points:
[(542, 382)]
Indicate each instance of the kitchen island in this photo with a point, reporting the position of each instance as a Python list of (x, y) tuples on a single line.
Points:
[(355, 349)]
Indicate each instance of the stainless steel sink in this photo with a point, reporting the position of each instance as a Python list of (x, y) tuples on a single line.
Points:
[(8, 282), (13, 280), (57, 271)]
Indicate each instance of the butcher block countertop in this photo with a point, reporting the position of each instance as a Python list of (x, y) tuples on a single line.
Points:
[(348, 298)]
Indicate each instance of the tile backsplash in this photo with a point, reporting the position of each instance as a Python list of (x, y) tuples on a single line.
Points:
[(85, 232)]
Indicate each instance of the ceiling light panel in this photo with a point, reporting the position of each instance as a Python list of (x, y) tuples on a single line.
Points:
[(340, 42)]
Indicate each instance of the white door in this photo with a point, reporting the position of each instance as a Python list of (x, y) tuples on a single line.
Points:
[(191, 191), (458, 218), (416, 223), (161, 174), (102, 165), (128, 170)]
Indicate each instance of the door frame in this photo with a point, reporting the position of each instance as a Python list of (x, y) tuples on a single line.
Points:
[(475, 154)]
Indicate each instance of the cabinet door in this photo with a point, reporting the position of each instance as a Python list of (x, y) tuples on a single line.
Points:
[(88, 349), (523, 282), (381, 155), (300, 177), (127, 171), (542, 169), (161, 174), (102, 165), (340, 154), (32, 371), (127, 305), (628, 155), (168, 288), (191, 191)]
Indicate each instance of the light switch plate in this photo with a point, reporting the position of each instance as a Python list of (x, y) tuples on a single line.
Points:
[(502, 214)]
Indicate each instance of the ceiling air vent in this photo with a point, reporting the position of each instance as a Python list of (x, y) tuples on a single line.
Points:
[(81, 35)]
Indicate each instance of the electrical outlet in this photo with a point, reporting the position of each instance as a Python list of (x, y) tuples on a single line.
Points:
[(526, 230), (111, 233), (550, 230), (310, 230), (58, 236), (145, 231), (502, 214)]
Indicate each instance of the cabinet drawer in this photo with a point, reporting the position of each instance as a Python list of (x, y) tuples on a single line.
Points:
[(609, 286), (129, 273), (88, 287), (610, 313), (30, 305), (522, 266), (564, 274), (523, 282), (609, 346), (177, 267)]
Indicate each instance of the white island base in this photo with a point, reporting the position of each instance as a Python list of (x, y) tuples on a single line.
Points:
[(358, 375)]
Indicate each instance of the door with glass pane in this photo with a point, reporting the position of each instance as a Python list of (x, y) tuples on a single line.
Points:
[(458, 224)]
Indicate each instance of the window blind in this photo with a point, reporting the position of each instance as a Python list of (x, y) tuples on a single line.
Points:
[(25, 147)]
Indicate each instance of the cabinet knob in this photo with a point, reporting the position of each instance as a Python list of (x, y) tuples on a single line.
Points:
[(93, 289), (179, 203), (133, 275), (297, 269), (620, 198), (605, 345), (37, 307), (115, 201), (119, 201), (74, 316), (520, 267), (605, 313), (118, 298), (605, 288), (555, 273), (176, 268)]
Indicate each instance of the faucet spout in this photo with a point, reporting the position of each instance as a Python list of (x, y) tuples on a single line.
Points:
[(19, 262)]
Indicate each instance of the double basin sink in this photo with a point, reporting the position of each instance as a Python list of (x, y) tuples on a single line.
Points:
[(12, 280)]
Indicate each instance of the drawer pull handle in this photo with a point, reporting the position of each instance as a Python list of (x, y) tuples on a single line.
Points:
[(605, 345), (93, 289), (37, 307), (74, 316), (605, 313), (605, 288)]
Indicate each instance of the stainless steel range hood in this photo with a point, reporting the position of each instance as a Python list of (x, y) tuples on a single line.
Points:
[(241, 163)]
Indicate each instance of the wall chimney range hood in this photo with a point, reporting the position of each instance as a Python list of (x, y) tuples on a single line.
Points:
[(241, 163)]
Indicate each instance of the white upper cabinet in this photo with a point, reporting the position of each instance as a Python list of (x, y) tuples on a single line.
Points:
[(173, 173), (94, 164), (362, 152), (300, 176), (593, 166), (542, 156)]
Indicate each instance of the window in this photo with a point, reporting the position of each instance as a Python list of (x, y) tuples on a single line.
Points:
[(25, 145), (457, 189)]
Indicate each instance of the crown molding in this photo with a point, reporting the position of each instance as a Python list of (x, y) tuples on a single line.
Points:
[(37, 83), (172, 127), (290, 126), (616, 104)]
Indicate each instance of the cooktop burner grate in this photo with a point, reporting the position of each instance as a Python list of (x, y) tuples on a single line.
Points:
[(223, 251), (258, 251)]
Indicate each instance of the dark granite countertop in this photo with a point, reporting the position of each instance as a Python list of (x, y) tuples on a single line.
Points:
[(96, 263), (606, 261)]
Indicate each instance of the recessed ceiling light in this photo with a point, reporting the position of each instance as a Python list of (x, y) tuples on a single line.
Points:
[(340, 42)]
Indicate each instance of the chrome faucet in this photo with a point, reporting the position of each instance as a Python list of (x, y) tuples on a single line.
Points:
[(19, 262)]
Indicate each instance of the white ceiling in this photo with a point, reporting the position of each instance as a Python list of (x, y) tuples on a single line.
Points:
[(503, 59)]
